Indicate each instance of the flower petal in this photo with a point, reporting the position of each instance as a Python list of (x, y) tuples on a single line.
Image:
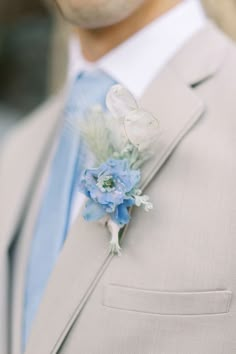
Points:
[(121, 215), (116, 201), (120, 101), (93, 211), (142, 128)]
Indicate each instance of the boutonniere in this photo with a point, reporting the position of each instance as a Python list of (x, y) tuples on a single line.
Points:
[(120, 140)]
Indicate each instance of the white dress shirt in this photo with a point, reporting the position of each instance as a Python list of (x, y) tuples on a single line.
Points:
[(138, 60), (147, 52)]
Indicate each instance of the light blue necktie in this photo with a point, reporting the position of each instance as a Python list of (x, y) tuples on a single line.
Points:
[(51, 228)]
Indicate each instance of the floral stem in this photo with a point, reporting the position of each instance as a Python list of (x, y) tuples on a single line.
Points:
[(114, 243)]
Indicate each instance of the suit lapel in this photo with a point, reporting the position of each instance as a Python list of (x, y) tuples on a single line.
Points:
[(27, 149), (177, 108), (27, 155), (19, 261), (171, 97), (85, 256)]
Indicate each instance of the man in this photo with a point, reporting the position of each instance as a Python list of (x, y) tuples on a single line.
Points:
[(172, 289)]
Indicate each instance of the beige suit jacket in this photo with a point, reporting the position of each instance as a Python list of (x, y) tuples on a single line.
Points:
[(173, 289)]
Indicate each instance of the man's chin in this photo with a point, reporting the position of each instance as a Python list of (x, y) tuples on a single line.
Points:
[(91, 22), (95, 24), (91, 18)]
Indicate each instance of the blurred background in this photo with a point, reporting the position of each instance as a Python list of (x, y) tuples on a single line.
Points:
[(33, 52)]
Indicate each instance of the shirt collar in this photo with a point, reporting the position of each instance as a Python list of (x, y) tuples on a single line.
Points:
[(148, 50)]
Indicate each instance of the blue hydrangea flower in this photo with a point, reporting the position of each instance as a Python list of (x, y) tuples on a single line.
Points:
[(109, 190)]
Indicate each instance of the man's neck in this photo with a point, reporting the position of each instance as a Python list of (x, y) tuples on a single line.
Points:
[(95, 43)]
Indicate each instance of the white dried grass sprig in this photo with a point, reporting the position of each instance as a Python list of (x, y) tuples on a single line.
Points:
[(96, 134), (125, 132)]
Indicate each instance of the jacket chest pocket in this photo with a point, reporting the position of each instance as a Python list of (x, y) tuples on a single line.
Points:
[(167, 303)]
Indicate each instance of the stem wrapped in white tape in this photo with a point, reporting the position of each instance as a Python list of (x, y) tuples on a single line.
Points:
[(114, 243)]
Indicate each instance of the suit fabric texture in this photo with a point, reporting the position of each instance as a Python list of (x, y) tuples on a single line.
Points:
[(172, 290)]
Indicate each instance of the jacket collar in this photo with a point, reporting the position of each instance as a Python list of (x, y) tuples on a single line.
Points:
[(202, 57)]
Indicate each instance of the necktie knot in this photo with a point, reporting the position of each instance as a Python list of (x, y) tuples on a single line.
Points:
[(88, 89)]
